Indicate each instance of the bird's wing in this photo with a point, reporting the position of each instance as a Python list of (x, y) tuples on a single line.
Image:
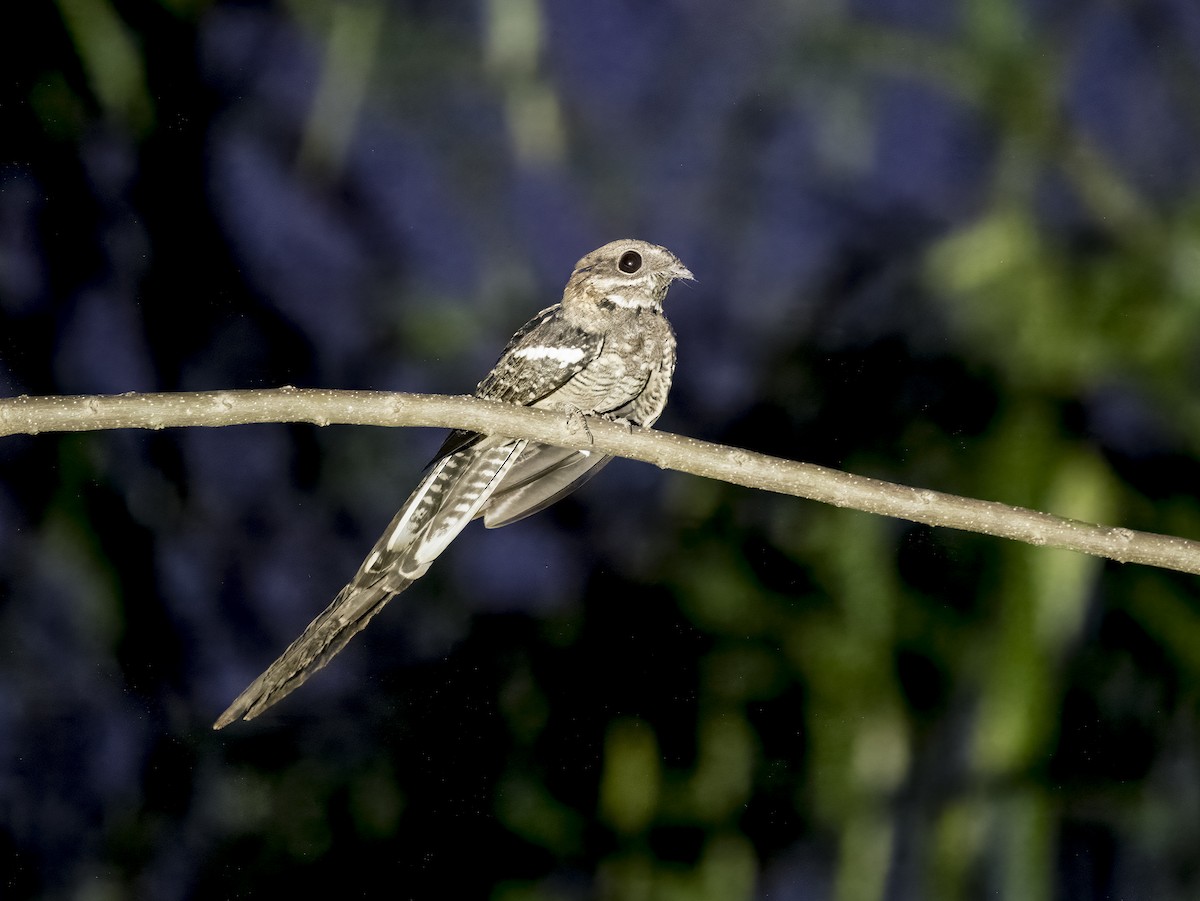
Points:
[(542, 357), (447, 499), (543, 475), (539, 362)]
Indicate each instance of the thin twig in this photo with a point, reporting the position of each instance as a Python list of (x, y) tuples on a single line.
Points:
[(33, 415)]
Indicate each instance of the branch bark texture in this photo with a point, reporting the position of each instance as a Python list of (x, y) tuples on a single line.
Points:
[(34, 415)]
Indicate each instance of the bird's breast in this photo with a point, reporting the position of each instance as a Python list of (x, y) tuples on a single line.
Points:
[(617, 381)]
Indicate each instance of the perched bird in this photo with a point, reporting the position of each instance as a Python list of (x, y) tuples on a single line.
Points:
[(605, 350)]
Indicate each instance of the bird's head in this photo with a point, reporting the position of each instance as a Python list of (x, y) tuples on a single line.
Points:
[(627, 274)]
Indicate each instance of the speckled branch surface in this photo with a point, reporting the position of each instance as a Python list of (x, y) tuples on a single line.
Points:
[(34, 415)]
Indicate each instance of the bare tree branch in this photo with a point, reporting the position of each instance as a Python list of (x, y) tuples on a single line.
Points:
[(33, 415)]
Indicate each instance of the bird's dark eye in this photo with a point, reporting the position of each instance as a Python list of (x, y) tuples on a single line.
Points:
[(630, 262)]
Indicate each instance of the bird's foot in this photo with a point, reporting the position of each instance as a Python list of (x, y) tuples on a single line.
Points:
[(629, 424), (577, 419)]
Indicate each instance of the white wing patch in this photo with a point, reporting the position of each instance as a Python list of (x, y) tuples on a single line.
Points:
[(564, 356)]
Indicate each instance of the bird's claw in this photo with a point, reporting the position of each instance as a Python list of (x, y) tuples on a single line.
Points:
[(575, 414)]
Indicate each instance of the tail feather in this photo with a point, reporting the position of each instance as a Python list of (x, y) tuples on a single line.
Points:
[(349, 613), (447, 499), (468, 493)]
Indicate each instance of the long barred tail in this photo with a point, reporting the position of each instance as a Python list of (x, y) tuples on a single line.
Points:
[(448, 498)]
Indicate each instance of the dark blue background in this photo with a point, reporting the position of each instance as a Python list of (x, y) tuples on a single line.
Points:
[(953, 246)]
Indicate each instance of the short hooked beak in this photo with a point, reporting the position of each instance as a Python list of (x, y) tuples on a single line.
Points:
[(678, 270)]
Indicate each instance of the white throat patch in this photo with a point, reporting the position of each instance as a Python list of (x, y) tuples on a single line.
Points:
[(620, 300)]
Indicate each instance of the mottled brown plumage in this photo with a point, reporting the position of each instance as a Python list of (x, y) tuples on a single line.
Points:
[(605, 350)]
